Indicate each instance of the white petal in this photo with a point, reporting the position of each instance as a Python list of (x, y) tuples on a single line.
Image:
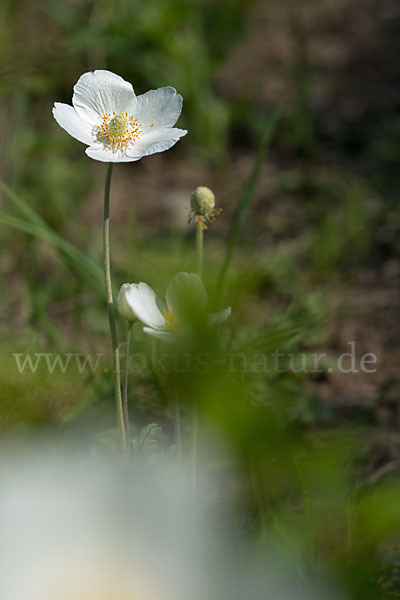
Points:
[(123, 306), (186, 288), (158, 140), (144, 303), (160, 334), (67, 117), (99, 92), (160, 107), (99, 151), (220, 317)]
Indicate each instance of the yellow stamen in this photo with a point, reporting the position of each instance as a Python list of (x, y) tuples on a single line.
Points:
[(203, 220), (118, 131), (169, 319)]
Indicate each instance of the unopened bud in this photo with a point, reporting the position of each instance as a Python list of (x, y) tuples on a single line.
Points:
[(202, 201)]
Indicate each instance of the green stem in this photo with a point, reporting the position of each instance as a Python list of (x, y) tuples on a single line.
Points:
[(125, 392), (306, 496), (199, 248), (195, 429), (199, 253), (259, 500), (178, 428), (110, 307)]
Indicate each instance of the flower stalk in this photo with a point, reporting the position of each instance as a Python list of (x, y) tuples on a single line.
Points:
[(199, 248), (178, 427), (110, 308), (125, 392), (199, 252)]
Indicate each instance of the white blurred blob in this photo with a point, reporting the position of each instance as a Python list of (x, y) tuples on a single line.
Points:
[(100, 532)]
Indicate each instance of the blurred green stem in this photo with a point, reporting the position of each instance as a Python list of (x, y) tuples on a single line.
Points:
[(178, 428), (307, 500), (258, 496), (110, 307), (194, 451), (125, 392), (199, 248), (199, 252)]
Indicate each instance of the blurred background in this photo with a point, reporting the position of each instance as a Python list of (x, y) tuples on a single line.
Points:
[(293, 116)]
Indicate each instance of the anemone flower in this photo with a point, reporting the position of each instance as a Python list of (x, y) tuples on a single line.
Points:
[(164, 320), (117, 125)]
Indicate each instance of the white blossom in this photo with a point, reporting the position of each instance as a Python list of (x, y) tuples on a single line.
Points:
[(117, 125), (138, 301)]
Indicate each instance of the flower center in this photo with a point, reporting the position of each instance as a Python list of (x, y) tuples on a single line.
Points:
[(169, 319), (118, 125), (118, 131)]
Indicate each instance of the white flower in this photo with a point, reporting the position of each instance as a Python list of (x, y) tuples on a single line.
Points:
[(137, 301), (117, 125), (86, 531), (73, 528)]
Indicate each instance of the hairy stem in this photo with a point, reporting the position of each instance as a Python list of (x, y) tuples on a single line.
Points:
[(110, 307)]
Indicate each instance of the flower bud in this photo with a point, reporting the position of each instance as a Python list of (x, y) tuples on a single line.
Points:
[(202, 201), (123, 304)]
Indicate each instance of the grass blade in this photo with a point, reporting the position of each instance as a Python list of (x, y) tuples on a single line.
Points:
[(247, 197), (34, 225)]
